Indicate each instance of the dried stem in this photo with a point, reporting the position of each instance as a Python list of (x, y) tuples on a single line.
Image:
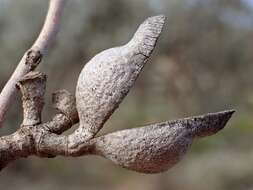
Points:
[(102, 85), (33, 87), (33, 56), (149, 149)]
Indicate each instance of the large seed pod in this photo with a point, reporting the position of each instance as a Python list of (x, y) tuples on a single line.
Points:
[(107, 78), (158, 147)]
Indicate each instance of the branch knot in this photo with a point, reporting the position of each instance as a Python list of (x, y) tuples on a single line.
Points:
[(33, 58)]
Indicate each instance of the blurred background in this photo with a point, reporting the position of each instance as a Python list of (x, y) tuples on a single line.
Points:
[(202, 63)]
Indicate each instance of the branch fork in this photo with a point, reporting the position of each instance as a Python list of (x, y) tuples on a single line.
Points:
[(101, 87), (33, 56)]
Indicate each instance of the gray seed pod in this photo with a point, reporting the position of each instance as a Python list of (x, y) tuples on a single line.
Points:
[(107, 78), (158, 147)]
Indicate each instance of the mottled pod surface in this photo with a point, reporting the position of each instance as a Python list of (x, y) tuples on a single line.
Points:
[(102, 85), (158, 147), (107, 78)]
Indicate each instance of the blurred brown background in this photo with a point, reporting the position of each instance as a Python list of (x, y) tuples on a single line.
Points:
[(203, 63)]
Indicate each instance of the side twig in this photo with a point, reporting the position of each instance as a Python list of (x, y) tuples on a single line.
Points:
[(33, 56)]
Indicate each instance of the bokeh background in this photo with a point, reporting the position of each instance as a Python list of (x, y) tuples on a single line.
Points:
[(203, 63)]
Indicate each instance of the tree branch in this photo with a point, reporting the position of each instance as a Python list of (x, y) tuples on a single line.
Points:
[(33, 56), (17, 145), (102, 85), (149, 149)]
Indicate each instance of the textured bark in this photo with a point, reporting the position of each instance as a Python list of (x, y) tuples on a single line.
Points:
[(102, 85), (14, 146), (33, 56), (33, 87)]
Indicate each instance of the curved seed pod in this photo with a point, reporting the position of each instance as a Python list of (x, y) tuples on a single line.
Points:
[(107, 78), (156, 148)]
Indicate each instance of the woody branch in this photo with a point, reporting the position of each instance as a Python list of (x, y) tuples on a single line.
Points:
[(33, 56)]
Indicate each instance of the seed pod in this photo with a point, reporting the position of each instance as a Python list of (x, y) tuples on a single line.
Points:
[(107, 78), (158, 147)]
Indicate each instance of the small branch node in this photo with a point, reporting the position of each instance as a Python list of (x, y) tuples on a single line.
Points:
[(65, 103), (33, 58)]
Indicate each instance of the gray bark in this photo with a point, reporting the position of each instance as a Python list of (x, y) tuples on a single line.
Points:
[(101, 87), (33, 56)]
